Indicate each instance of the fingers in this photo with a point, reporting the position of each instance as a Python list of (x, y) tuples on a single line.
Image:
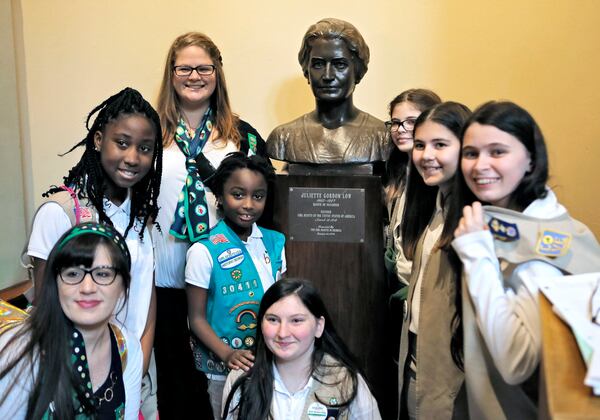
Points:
[(471, 221), (241, 359)]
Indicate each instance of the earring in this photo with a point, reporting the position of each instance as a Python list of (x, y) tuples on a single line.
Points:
[(96, 148)]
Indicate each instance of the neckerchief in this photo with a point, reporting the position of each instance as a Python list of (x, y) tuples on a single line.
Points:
[(191, 215)]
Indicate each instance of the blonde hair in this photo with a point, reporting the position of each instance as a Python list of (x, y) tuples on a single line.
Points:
[(168, 101)]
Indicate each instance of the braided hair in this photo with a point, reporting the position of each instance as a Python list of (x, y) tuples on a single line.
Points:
[(87, 177)]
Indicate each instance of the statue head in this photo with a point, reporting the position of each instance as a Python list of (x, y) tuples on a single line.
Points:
[(336, 29)]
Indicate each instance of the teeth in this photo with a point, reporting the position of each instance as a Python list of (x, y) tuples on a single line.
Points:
[(485, 181)]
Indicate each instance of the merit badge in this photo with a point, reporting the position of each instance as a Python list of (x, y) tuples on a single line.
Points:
[(503, 231), (236, 343), (230, 258), (249, 341), (219, 238), (553, 244), (317, 411), (236, 274)]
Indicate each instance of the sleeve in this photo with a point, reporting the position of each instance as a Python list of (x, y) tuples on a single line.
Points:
[(364, 405), (283, 270), (16, 385), (132, 377), (508, 319), (49, 224), (231, 378), (198, 266)]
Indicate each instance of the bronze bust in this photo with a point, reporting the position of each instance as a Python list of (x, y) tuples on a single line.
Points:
[(334, 58)]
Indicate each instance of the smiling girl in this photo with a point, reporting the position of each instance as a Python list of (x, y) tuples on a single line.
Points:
[(504, 163), (199, 130), (430, 361), (228, 273), (116, 182), (67, 360), (302, 367)]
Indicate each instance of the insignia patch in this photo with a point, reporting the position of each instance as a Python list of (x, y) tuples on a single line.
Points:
[(85, 213), (503, 231), (219, 238), (553, 244), (267, 258), (236, 274), (249, 341), (230, 258), (236, 343)]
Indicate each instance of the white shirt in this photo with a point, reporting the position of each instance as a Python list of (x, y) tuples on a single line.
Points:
[(17, 385), (502, 321), (51, 222), (170, 251), (290, 406), (200, 263)]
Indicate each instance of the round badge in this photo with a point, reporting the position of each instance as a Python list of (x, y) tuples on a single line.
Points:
[(181, 211), (249, 341), (236, 343), (200, 210), (199, 186), (317, 411), (201, 227)]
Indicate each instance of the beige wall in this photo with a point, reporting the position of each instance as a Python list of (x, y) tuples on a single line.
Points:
[(544, 55)]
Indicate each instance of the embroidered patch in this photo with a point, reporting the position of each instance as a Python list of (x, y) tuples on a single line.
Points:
[(246, 320), (236, 274), (219, 238), (249, 341), (553, 244), (230, 258), (503, 231)]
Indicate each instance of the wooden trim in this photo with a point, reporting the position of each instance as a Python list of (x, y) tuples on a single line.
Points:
[(15, 290)]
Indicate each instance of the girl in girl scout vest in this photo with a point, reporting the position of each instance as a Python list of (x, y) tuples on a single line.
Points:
[(524, 234), (228, 272), (430, 358), (67, 360), (302, 369)]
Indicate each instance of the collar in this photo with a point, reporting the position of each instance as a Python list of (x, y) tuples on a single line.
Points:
[(279, 386), (545, 208), (256, 233), (111, 208)]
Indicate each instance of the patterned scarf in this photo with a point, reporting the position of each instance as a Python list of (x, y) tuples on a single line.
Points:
[(191, 215)]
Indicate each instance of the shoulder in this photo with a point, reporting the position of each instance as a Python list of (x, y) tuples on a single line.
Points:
[(283, 132), (546, 207)]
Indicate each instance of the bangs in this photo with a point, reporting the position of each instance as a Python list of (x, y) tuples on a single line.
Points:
[(81, 251)]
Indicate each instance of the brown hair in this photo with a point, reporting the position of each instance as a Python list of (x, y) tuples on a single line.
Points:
[(168, 102)]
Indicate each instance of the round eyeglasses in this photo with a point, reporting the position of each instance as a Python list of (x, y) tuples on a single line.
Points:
[(408, 124), (102, 275), (186, 71)]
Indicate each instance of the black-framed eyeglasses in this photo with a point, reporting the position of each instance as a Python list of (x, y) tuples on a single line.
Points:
[(103, 275), (408, 124), (186, 71)]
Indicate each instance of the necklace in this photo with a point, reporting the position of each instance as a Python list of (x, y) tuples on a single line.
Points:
[(108, 392)]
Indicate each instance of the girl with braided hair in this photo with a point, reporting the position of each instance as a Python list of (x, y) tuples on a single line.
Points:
[(199, 130), (116, 182)]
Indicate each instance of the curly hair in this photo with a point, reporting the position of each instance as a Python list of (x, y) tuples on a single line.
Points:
[(87, 177)]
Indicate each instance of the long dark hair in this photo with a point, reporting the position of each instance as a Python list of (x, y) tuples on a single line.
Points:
[(512, 119), (420, 198), (256, 385), (420, 206), (41, 343), (395, 167), (87, 177)]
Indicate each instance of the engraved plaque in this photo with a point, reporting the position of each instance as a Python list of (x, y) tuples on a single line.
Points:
[(327, 214)]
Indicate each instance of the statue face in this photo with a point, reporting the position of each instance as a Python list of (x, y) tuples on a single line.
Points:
[(331, 70)]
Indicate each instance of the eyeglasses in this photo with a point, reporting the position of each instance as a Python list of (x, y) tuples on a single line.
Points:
[(408, 124), (102, 275), (186, 71)]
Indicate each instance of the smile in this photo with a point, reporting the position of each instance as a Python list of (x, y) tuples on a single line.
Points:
[(88, 304), (246, 217), (125, 173), (486, 181)]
